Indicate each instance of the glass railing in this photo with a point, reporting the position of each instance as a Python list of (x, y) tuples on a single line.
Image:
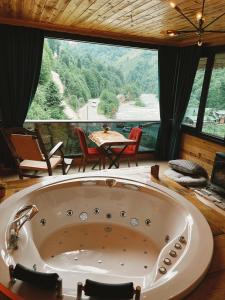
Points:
[(55, 131)]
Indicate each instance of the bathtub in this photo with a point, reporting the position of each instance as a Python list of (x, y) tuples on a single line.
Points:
[(108, 229)]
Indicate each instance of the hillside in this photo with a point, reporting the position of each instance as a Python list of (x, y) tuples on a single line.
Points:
[(90, 71)]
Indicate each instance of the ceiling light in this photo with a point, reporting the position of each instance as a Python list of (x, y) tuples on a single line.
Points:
[(199, 43), (172, 4), (199, 16), (172, 32), (199, 29)]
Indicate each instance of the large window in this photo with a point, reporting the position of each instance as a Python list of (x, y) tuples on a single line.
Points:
[(214, 116), (85, 81), (191, 114), (206, 109)]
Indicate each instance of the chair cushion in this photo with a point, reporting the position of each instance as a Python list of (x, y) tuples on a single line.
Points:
[(187, 167), (40, 165), (93, 151), (185, 180), (128, 151), (135, 134)]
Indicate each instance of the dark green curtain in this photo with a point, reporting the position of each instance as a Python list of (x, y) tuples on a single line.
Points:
[(167, 60), (20, 64), (177, 69)]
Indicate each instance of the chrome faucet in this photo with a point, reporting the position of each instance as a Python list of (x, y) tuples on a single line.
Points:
[(23, 215)]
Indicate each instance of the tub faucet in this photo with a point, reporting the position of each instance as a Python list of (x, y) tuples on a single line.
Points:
[(23, 215)]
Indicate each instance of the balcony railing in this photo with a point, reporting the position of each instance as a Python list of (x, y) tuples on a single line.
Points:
[(54, 131)]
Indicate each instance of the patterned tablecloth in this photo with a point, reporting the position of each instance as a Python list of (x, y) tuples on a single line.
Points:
[(109, 138)]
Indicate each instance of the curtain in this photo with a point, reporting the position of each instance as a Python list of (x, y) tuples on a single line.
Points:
[(177, 69), (20, 63), (167, 60)]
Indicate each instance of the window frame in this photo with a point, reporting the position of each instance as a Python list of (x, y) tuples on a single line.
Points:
[(210, 54), (99, 40)]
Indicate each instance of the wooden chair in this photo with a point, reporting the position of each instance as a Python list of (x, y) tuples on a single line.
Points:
[(29, 153), (131, 151), (89, 153)]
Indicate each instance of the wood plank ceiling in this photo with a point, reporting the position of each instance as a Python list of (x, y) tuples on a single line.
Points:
[(134, 20)]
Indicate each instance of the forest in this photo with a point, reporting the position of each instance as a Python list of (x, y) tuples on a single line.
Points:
[(89, 71), (216, 95), (214, 115)]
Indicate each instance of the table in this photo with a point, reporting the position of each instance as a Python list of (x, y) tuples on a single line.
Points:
[(107, 140)]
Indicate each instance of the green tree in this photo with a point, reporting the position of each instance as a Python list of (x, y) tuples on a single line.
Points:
[(78, 87), (131, 92), (37, 110), (46, 66), (108, 104), (92, 82), (54, 44), (53, 96), (79, 65), (216, 95)]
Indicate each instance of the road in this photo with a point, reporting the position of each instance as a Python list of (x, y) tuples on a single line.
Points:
[(90, 111), (129, 111)]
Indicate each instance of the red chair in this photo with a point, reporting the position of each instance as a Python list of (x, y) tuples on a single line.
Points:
[(131, 151), (89, 154)]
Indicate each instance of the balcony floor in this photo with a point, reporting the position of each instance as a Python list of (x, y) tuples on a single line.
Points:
[(74, 169)]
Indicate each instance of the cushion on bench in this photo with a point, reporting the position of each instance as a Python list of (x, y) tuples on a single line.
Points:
[(187, 167), (185, 180)]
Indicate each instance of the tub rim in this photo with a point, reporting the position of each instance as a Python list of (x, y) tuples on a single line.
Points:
[(193, 278)]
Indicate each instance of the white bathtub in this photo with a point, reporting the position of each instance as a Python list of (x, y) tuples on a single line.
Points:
[(88, 229)]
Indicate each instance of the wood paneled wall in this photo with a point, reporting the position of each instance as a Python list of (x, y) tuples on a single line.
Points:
[(199, 150)]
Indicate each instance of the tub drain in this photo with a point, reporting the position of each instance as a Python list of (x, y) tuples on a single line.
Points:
[(108, 229)]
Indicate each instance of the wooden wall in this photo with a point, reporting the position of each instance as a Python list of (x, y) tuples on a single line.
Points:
[(199, 150)]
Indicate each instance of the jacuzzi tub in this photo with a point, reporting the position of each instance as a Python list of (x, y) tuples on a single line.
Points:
[(112, 230)]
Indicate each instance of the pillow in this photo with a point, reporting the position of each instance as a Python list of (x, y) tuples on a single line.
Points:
[(185, 180), (187, 167)]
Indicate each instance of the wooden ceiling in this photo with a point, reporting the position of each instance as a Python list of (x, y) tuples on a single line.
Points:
[(134, 20)]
